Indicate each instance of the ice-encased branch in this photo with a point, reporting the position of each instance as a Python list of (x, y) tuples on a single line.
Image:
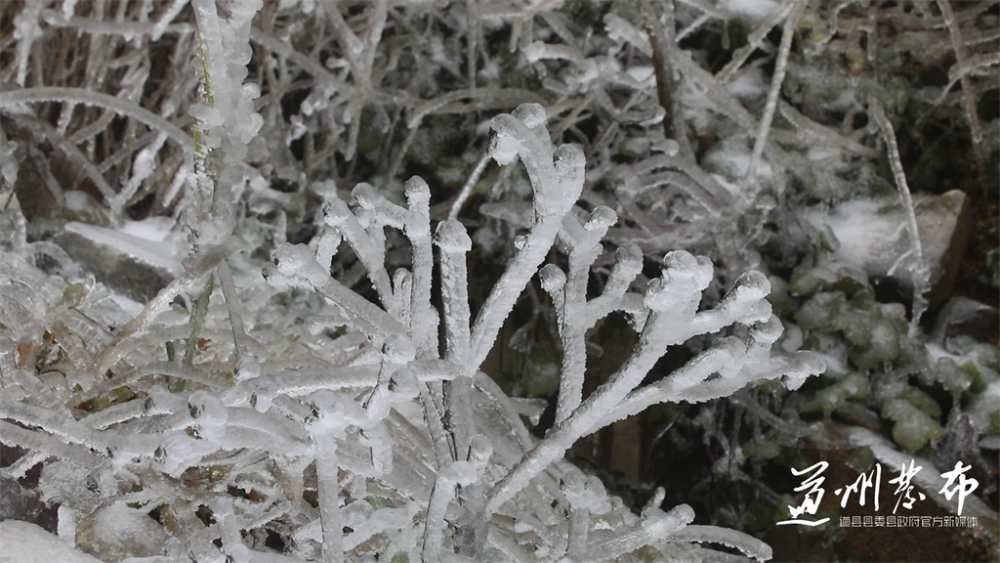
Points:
[(454, 242), (569, 294), (228, 121), (737, 363), (89, 97), (673, 301), (655, 524), (370, 252), (749, 545), (294, 266), (196, 266), (557, 180), (463, 472), (329, 423), (919, 271)]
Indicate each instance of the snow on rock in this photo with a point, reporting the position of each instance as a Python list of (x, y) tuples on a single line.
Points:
[(116, 532), (137, 267), (961, 315), (24, 542), (872, 235)]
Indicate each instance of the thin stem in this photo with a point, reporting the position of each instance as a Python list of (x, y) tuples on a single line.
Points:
[(89, 97), (235, 309), (470, 184), (919, 272), (748, 185), (971, 109)]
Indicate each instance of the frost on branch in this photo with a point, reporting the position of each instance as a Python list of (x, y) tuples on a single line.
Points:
[(666, 314), (354, 431)]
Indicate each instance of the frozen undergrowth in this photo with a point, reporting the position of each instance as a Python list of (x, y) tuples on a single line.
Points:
[(379, 438), (388, 470), (409, 447)]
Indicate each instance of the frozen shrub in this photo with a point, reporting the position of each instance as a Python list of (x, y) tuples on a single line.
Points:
[(317, 415), (406, 443)]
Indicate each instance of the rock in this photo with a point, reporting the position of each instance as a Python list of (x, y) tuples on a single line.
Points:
[(961, 315), (20, 498), (872, 235), (136, 267), (24, 542), (116, 532), (17, 502)]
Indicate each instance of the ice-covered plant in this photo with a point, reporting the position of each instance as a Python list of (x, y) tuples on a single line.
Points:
[(226, 121), (413, 451), (665, 315), (311, 417)]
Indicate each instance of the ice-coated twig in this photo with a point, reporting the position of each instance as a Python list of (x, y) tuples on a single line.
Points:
[(128, 29), (235, 309), (371, 254), (673, 298), (176, 370), (142, 168), (463, 472), (928, 478), (569, 294), (199, 310), (754, 41), (26, 30), (294, 266), (918, 270), (586, 495), (49, 445), (417, 227), (483, 99), (229, 530), (749, 545), (333, 413), (690, 383), (468, 186), (432, 401), (89, 97), (337, 377), (809, 129), (197, 266), (748, 185), (781, 425), (673, 301), (166, 17), (69, 430), (968, 92), (557, 180), (471, 40), (655, 524), (453, 243)]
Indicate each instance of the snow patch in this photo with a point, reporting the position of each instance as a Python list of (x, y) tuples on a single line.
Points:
[(141, 249), (749, 84), (752, 9), (24, 542)]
